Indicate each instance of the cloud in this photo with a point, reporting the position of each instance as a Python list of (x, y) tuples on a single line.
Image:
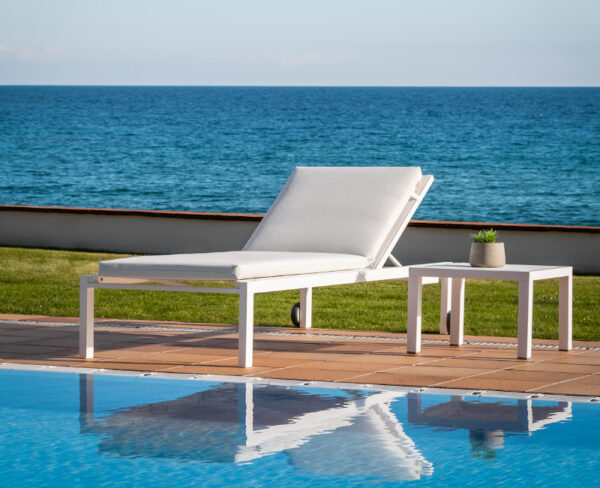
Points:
[(46, 54)]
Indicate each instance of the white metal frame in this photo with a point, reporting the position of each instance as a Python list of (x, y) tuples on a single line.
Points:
[(453, 277), (246, 289)]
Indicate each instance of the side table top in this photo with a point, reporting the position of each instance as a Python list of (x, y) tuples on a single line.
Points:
[(507, 272)]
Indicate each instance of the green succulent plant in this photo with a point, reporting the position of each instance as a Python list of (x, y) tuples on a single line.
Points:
[(487, 235)]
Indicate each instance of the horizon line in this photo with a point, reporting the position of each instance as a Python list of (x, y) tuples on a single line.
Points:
[(183, 85)]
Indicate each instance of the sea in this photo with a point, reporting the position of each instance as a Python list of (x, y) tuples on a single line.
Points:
[(523, 155)]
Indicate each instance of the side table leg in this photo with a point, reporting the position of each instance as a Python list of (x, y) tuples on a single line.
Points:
[(445, 305), (457, 317), (525, 318), (413, 325), (565, 313)]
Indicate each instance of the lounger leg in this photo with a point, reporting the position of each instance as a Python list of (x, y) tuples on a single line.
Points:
[(413, 326), (86, 318), (246, 326), (445, 305), (306, 308)]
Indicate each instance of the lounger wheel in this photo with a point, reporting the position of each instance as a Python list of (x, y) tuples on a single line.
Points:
[(295, 314)]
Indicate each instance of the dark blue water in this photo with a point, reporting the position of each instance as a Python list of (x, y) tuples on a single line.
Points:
[(66, 429), (528, 155)]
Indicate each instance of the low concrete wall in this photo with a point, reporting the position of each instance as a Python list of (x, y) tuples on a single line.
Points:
[(127, 231), (556, 245), (154, 232)]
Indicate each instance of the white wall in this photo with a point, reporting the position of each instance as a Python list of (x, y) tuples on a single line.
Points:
[(569, 248), (171, 232), (121, 232)]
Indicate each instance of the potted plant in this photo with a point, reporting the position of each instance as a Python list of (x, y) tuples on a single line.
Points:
[(485, 251)]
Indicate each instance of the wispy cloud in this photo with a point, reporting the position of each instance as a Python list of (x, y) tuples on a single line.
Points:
[(47, 54)]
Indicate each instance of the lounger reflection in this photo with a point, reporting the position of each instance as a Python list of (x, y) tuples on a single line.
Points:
[(236, 423)]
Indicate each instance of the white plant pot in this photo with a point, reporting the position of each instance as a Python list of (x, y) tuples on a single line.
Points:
[(487, 255)]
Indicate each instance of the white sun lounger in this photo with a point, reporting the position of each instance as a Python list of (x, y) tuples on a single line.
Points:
[(328, 226)]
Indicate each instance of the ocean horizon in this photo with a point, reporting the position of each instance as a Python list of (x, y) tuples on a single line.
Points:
[(498, 154)]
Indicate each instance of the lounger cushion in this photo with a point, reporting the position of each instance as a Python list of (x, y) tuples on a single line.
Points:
[(337, 210), (231, 265)]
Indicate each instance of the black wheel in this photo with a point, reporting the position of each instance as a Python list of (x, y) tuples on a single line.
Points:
[(295, 314)]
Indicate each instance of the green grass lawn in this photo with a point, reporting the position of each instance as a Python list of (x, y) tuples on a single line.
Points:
[(46, 282)]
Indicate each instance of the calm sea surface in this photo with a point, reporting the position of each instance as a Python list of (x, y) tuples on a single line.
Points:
[(528, 155)]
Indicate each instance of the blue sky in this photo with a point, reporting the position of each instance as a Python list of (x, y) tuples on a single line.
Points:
[(308, 42)]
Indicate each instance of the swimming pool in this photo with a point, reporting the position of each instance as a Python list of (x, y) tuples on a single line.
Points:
[(78, 429)]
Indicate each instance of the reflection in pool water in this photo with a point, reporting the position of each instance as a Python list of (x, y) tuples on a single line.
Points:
[(240, 422), (486, 421), (58, 429)]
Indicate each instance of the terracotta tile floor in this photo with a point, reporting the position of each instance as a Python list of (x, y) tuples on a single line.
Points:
[(317, 354)]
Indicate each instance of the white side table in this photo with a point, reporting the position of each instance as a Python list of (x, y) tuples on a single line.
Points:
[(453, 277)]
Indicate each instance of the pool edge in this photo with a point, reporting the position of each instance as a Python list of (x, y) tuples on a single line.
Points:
[(313, 384)]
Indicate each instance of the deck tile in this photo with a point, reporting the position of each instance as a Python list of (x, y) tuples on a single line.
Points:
[(215, 369), (558, 367), (385, 378), (353, 366), (309, 373), (469, 362), (271, 362), (437, 371), (574, 387), (485, 383), (545, 376)]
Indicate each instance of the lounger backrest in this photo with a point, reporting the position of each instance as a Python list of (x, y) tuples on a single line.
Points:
[(358, 210)]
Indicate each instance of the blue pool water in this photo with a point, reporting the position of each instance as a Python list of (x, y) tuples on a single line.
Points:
[(529, 155), (67, 429)]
